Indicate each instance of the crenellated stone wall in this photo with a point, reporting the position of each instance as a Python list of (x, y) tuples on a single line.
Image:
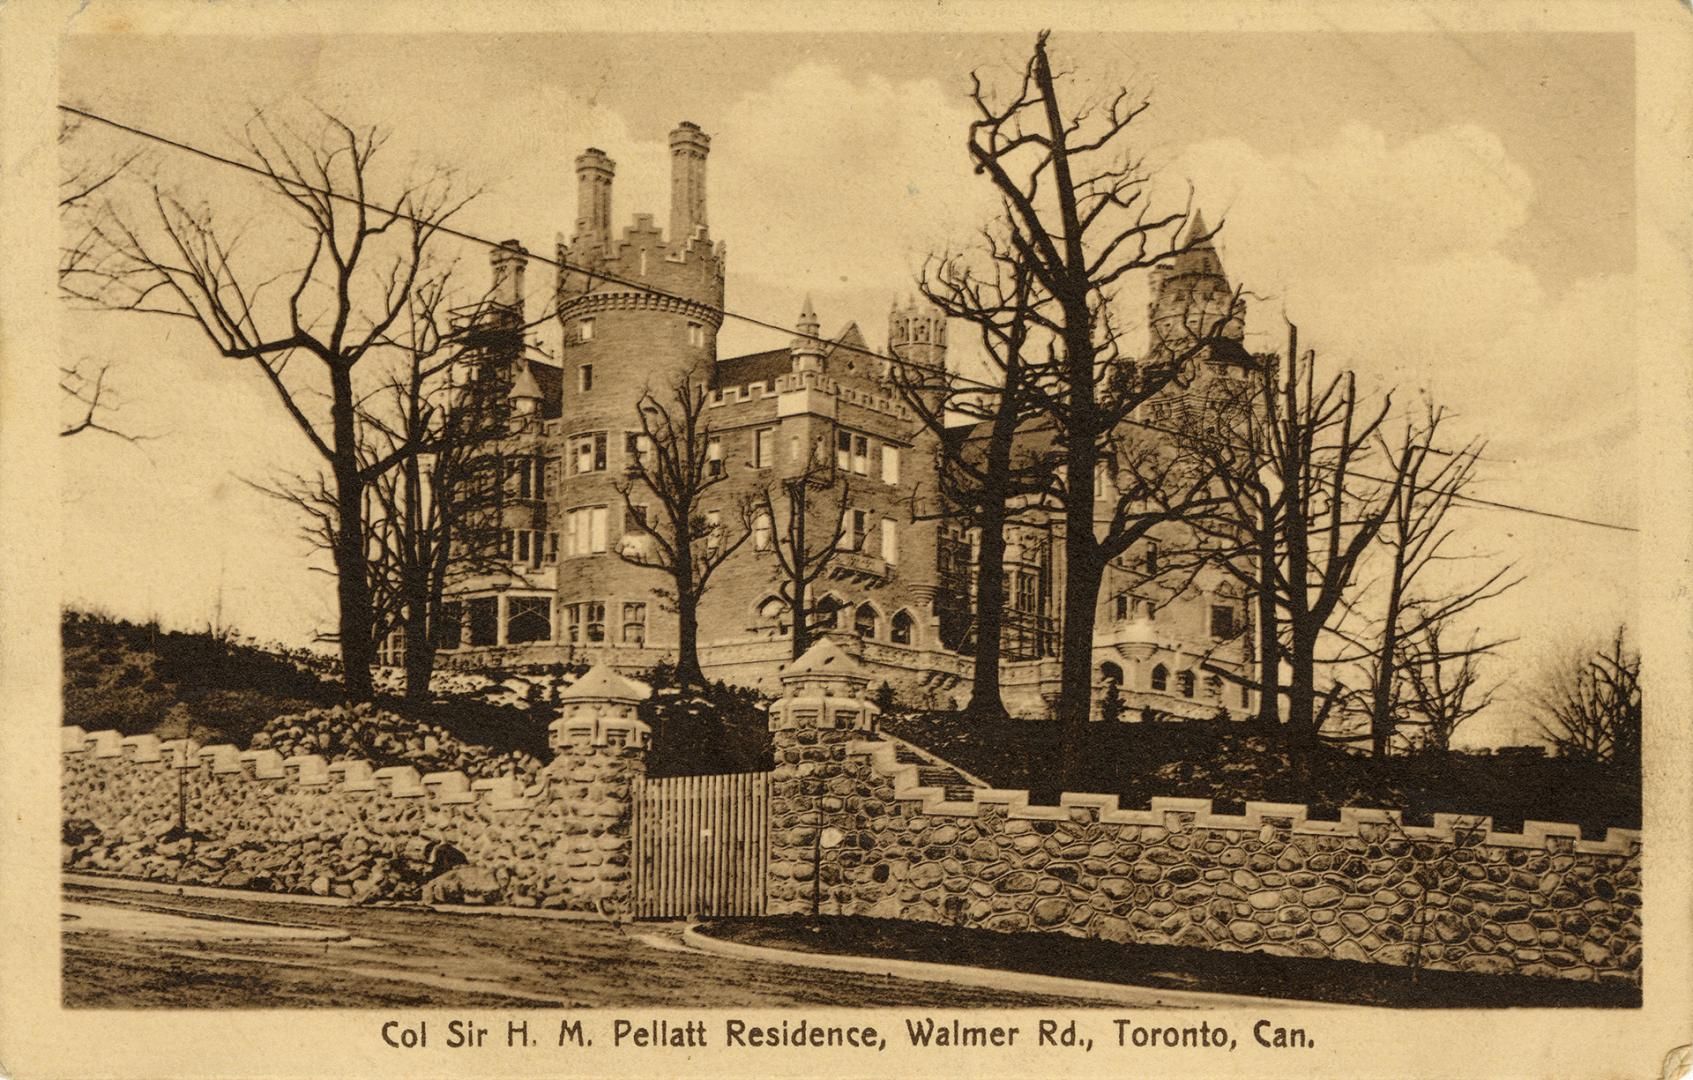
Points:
[(853, 833), (256, 820)]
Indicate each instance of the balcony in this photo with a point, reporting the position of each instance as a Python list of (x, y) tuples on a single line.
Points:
[(858, 566)]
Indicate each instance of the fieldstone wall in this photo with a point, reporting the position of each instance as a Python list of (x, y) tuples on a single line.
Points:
[(258, 821), (854, 834)]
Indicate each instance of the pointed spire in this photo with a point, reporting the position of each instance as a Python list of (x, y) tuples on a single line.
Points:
[(807, 350), (524, 387), (1196, 228)]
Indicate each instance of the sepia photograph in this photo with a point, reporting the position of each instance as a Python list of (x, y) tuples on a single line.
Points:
[(1122, 546)]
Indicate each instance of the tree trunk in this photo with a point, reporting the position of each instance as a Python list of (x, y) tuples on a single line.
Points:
[(986, 699), (1269, 629), (420, 653), (1301, 690), (800, 609), (1081, 601), (688, 674), (354, 625)]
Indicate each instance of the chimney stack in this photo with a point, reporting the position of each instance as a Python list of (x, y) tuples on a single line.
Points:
[(508, 262), (593, 200), (688, 149)]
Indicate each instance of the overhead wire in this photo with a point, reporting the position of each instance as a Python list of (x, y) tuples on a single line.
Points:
[(723, 312)]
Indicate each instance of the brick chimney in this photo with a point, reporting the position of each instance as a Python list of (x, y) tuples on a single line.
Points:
[(688, 149)]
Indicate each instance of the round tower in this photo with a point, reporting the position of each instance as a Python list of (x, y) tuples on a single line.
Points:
[(917, 334), (1191, 296), (638, 310)]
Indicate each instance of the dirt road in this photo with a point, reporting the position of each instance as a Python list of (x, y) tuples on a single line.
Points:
[(133, 949)]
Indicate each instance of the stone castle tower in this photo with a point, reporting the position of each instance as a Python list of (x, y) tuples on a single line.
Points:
[(1192, 297)]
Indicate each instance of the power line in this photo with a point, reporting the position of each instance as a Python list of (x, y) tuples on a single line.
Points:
[(723, 312)]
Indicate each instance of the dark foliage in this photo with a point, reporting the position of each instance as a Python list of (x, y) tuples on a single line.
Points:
[(1233, 763), (718, 729), (1170, 967)]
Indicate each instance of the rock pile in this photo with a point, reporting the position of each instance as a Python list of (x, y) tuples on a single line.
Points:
[(383, 738)]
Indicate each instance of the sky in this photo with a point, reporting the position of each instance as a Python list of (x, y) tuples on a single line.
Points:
[(1448, 214)]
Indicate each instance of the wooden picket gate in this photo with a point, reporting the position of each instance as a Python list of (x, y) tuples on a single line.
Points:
[(701, 845)]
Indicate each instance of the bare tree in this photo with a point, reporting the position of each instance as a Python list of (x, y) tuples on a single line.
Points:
[(1589, 706), (799, 561), (1415, 542), (1444, 688), (358, 262), (984, 472), (81, 179), (1296, 518), (434, 517), (672, 468), (87, 394), (1078, 215)]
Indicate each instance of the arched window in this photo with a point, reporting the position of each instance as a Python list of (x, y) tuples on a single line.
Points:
[(901, 628), (771, 609), (864, 621), (1185, 681), (1111, 673), (827, 612), (1160, 678)]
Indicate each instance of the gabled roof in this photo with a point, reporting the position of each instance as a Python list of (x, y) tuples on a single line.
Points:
[(752, 368), (550, 379)]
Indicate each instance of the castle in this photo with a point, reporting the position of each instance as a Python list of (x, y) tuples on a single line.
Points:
[(641, 306)]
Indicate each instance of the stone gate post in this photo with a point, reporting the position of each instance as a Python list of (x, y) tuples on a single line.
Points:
[(599, 755), (822, 709)]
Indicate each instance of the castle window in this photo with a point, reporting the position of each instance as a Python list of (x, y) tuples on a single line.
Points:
[(448, 625), (585, 376), (552, 547), (771, 609), (901, 627), (523, 545), (587, 453), (861, 455), (1160, 678), (1111, 673), (696, 334), (714, 456), (585, 330), (1222, 622), (864, 621), (584, 530), (529, 618), (713, 530), (852, 530), (761, 531), (843, 450), (634, 624), (508, 544), (585, 623), (484, 620), (890, 542), (1184, 680), (890, 464), (764, 448), (1151, 558), (1121, 609)]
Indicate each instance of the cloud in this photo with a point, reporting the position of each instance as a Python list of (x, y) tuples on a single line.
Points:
[(843, 180)]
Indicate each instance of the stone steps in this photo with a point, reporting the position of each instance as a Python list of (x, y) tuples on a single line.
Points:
[(932, 771)]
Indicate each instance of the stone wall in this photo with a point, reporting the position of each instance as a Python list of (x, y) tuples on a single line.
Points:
[(256, 820), (852, 833)]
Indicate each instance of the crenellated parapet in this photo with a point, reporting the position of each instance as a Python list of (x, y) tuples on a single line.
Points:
[(1367, 823), (306, 772)]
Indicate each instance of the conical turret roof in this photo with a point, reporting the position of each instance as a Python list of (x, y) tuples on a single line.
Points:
[(524, 385), (1202, 258)]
